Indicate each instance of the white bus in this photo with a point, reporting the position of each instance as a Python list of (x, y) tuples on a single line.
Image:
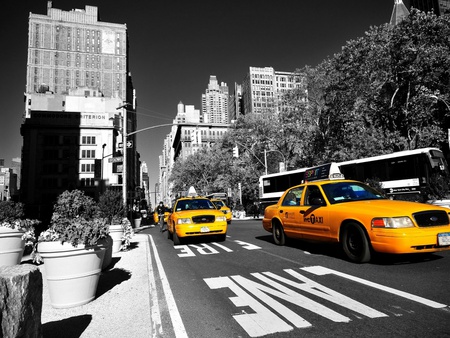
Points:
[(400, 173)]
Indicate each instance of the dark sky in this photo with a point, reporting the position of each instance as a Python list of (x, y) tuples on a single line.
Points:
[(175, 45)]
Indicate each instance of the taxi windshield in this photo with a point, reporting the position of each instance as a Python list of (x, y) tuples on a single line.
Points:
[(342, 192), (219, 204), (194, 204)]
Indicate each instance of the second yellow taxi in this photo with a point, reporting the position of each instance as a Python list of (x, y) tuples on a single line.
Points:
[(223, 207), (195, 216)]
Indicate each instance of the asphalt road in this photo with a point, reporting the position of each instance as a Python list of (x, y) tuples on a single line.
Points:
[(249, 287)]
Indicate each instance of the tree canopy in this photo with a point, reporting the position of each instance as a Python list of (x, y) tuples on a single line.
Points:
[(386, 91)]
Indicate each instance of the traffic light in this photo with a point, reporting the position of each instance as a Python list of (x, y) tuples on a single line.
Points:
[(236, 151)]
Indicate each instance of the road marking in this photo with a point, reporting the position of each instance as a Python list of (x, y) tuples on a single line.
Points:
[(324, 292), (154, 304), (262, 321), (321, 271), (205, 249), (175, 316), (259, 323), (248, 246)]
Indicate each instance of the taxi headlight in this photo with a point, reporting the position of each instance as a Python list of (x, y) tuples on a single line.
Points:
[(392, 222), (184, 221), (221, 218)]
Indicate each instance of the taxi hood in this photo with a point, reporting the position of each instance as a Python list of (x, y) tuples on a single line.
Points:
[(388, 207)]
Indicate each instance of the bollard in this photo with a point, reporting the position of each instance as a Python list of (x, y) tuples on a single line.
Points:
[(21, 301)]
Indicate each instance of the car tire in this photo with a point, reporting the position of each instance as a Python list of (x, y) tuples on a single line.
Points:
[(278, 234), (176, 239), (221, 238), (355, 243)]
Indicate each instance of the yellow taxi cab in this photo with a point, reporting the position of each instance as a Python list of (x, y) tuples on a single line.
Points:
[(223, 207), (358, 217), (195, 216)]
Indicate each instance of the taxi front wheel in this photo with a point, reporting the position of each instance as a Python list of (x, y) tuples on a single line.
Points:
[(355, 243), (176, 239), (278, 234)]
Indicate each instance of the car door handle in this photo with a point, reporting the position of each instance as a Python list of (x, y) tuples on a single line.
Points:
[(281, 211), (302, 211)]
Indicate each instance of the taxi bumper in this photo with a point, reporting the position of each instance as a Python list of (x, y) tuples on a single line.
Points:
[(410, 240), (201, 229)]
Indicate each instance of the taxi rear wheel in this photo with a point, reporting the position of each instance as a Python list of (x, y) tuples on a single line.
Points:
[(278, 234), (355, 243)]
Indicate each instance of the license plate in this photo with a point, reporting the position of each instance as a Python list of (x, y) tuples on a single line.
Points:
[(204, 229), (444, 239)]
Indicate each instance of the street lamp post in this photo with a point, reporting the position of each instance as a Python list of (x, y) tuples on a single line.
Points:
[(103, 156), (124, 147)]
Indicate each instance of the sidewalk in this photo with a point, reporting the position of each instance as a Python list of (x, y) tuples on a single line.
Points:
[(122, 304)]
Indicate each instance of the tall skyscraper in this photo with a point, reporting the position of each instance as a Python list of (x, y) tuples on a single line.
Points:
[(215, 102), (77, 82), (69, 49)]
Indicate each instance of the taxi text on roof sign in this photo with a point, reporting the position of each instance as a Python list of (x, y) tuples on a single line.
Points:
[(323, 172)]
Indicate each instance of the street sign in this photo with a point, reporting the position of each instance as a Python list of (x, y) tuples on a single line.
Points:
[(115, 159), (129, 144)]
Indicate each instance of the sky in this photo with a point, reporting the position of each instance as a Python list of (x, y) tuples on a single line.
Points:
[(176, 45)]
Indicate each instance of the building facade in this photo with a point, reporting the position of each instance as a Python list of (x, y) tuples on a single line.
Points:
[(263, 88), (73, 129), (439, 7), (215, 102)]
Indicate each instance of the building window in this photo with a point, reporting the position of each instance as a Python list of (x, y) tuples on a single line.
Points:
[(88, 140), (87, 182), (87, 167), (88, 153)]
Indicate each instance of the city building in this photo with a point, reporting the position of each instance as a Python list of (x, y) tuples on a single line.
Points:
[(235, 103), (8, 184), (439, 7), (215, 102), (9, 180), (78, 92), (263, 88)]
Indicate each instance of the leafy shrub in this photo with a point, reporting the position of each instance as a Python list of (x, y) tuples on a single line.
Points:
[(76, 219), (111, 206)]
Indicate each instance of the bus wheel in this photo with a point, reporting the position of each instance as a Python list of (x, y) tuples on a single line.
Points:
[(278, 234), (355, 243)]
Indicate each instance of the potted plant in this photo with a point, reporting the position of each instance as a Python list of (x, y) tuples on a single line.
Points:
[(113, 210), (72, 249), (15, 232)]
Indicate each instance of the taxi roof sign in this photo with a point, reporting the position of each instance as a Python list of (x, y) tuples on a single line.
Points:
[(327, 171)]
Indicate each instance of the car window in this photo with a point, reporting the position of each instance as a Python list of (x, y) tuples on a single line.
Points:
[(293, 197), (313, 196), (219, 204), (342, 192)]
